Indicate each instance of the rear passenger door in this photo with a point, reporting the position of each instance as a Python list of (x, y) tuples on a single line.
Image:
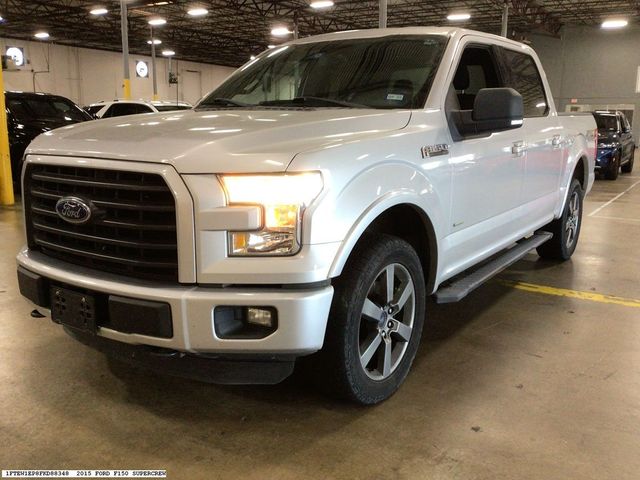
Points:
[(544, 133)]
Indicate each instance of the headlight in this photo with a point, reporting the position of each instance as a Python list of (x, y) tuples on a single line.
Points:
[(283, 198)]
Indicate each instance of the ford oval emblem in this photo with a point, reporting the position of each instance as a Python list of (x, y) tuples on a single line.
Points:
[(73, 210)]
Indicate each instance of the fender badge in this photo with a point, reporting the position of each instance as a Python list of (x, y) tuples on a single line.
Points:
[(434, 150)]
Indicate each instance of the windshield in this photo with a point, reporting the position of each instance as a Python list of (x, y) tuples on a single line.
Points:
[(607, 122), (387, 72), (93, 109), (45, 108)]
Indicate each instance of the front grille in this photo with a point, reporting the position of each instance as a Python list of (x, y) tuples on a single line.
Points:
[(131, 232)]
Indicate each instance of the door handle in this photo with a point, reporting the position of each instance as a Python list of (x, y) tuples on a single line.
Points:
[(557, 141), (519, 149)]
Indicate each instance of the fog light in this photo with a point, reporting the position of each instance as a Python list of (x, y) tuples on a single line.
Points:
[(237, 322), (260, 316)]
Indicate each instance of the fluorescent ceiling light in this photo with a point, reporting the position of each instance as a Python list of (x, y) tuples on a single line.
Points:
[(157, 21), (1, 19), (615, 23), (168, 53), (271, 46), (281, 32), (41, 35), (458, 17), (252, 57), (198, 12), (156, 41), (99, 11), (322, 4)]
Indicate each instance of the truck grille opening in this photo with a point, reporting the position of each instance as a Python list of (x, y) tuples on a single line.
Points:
[(132, 229)]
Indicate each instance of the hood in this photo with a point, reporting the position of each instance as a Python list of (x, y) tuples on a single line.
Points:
[(221, 141)]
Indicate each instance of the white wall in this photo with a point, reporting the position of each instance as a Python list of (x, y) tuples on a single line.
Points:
[(87, 76)]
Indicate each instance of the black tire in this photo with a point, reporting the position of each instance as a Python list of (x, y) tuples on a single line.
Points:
[(565, 239), (628, 167), (350, 331), (614, 167)]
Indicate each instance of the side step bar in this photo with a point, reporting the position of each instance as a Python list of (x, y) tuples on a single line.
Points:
[(461, 287)]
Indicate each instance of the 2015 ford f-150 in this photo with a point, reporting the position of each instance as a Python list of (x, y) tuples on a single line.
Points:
[(308, 205)]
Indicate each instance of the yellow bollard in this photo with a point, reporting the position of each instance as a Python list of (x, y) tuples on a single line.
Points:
[(6, 182), (126, 87)]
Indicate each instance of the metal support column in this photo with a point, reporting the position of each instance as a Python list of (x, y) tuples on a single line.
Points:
[(6, 181), (383, 14), (126, 82), (153, 66), (505, 20)]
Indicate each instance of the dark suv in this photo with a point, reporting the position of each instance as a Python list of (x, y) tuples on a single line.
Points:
[(30, 114), (616, 146)]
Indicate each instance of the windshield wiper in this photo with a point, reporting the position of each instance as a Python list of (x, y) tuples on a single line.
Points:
[(308, 101), (224, 102)]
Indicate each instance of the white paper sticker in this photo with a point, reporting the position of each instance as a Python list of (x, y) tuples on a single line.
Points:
[(395, 96)]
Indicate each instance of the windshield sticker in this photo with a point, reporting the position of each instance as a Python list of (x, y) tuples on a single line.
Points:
[(395, 96)]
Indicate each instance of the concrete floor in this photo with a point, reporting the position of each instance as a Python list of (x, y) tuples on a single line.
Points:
[(508, 384)]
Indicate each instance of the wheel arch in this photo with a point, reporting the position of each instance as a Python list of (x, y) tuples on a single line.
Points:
[(403, 219)]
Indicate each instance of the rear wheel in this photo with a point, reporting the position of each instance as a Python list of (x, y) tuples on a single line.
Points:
[(614, 167), (566, 229), (628, 167), (375, 322)]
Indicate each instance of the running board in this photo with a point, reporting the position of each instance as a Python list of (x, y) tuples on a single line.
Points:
[(460, 288)]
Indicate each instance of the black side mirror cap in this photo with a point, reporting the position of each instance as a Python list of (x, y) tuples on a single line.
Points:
[(494, 110)]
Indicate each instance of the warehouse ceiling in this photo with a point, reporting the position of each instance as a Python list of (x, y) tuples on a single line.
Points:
[(235, 29)]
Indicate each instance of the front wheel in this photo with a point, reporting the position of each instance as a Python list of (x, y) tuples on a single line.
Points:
[(566, 229), (614, 167), (375, 322), (628, 167)]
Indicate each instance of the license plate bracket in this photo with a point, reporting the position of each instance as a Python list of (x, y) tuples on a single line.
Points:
[(73, 309)]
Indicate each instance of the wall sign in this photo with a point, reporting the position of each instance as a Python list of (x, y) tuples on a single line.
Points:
[(142, 69)]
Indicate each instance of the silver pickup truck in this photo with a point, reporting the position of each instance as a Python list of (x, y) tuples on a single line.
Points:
[(306, 208)]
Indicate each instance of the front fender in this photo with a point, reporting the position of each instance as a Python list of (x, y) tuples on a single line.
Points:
[(366, 196)]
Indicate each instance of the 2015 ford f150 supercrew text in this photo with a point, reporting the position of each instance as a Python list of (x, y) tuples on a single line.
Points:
[(309, 205)]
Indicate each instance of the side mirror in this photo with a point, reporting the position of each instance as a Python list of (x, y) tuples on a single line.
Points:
[(494, 110)]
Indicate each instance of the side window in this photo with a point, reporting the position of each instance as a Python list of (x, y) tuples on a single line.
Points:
[(476, 70), (524, 77), (122, 109)]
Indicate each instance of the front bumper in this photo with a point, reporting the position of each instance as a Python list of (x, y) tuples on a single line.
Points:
[(302, 312), (604, 157)]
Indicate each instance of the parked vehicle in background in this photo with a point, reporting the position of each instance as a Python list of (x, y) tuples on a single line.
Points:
[(616, 146), (119, 108), (310, 204), (29, 115)]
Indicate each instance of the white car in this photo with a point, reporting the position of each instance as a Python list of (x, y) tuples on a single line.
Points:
[(309, 205), (119, 108)]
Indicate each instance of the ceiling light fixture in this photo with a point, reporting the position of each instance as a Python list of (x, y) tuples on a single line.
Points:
[(99, 11), (157, 21), (620, 23), (281, 32), (322, 4), (252, 57), (41, 35), (271, 46), (156, 41), (458, 17), (198, 12), (168, 53)]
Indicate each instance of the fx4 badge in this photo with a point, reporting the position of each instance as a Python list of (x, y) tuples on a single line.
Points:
[(434, 150)]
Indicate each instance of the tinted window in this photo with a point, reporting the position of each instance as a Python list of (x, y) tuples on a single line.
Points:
[(524, 77), (476, 70), (389, 72), (170, 108), (607, 122), (46, 108), (121, 109)]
